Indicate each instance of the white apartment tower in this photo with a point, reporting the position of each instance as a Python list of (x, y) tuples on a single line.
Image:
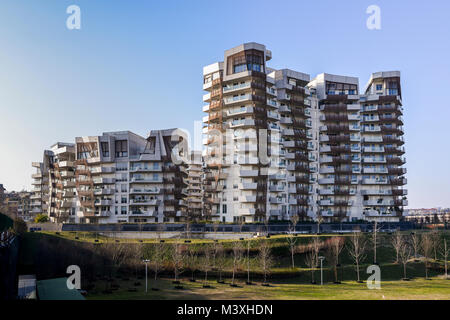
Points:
[(278, 144)]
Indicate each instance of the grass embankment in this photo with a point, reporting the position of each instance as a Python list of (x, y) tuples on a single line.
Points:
[(436, 289), (47, 254)]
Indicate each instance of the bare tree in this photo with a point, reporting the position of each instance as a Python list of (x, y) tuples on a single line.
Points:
[(332, 252), (357, 249), (248, 262), (206, 263), (117, 253), (312, 256), (265, 259), (220, 259), (157, 256), (435, 237), (415, 242), (192, 260), (291, 238), (427, 249), (237, 258), (404, 255), (397, 240), (444, 251), (375, 231), (178, 257)]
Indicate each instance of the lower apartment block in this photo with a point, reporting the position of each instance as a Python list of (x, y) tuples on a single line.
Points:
[(116, 177)]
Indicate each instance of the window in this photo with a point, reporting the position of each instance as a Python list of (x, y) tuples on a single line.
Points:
[(105, 149), (379, 87), (123, 188), (121, 148), (123, 210), (224, 208), (123, 200)]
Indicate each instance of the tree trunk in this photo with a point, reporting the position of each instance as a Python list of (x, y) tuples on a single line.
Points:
[(292, 257), (357, 269), (335, 273), (404, 271)]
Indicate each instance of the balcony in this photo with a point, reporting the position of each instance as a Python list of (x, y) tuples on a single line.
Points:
[(247, 199), (374, 181), (248, 186), (276, 200), (104, 180), (277, 188), (249, 173), (103, 202), (326, 181), (146, 180), (156, 168), (145, 201)]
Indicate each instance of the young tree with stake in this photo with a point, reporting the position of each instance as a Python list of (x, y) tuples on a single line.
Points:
[(397, 240), (357, 249), (404, 256), (415, 242), (444, 251), (332, 252), (312, 256), (427, 249), (178, 258), (206, 264), (237, 259), (375, 231), (265, 259), (292, 239)]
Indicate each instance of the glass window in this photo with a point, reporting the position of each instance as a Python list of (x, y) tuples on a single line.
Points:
[(121, 148)]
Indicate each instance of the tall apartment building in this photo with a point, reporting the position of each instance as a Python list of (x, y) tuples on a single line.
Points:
[(278, 144)]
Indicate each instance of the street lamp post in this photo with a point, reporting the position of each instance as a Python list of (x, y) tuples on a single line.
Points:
[(321, 258), (146, 261)]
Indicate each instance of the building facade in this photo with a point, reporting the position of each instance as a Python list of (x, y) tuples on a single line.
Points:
[(278, 144), (112, 178)]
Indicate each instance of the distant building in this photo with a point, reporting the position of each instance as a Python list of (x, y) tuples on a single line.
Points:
[(430, 215), (17, 205), (2, 193)]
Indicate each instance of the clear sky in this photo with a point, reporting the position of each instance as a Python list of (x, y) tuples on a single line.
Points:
[(137, 65)]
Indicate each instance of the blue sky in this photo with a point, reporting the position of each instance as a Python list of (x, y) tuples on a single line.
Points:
[(137, 65)]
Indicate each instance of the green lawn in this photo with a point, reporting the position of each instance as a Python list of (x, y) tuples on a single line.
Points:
[(435, 289), (47, 254)]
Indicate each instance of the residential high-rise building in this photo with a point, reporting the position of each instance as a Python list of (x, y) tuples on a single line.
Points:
[(115, 177), (278, 144)]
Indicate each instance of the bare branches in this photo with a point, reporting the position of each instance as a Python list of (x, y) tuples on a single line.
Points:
[(357, 249), (396, 241), (404, 255), (427, 249), (312, 256), (178, 258), (332, 252), (237, 258), (444, 252), (415, 242), (265, 258)]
